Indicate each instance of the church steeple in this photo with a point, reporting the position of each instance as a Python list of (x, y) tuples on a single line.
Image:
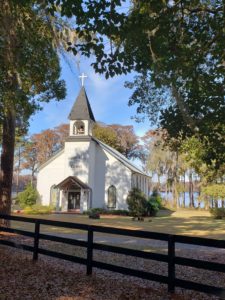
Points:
[(81, 115), (81, 109)]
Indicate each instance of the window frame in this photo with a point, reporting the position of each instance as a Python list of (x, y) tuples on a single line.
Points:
[(112, 192)]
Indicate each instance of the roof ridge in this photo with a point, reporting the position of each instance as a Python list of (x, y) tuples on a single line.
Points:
[(121, 157)]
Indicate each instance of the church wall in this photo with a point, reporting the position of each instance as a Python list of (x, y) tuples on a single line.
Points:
[(51, 174), (119, 175), (76, 160), (97, 183)]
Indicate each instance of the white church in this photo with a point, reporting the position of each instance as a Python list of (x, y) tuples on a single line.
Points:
[(87, 173)]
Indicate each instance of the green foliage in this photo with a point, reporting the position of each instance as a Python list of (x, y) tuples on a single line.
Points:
[(195, 152), (37, 210), (96, 210), (215, 191), (103, 211), (119, 212), (154, 203), (107, 135), (177, 49), (137, 203), (28, 197), (120, 137), (218, 213)]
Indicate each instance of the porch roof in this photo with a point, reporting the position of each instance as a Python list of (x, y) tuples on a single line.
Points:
[(72, 180)]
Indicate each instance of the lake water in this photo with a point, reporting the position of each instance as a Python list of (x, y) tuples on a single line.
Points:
[(197, 203)]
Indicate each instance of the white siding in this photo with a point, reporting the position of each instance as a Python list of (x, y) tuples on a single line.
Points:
[(51, 174), (120, 176), (94, 166), (99, 173)]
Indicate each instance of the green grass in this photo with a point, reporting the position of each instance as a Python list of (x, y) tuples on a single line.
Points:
[(183, 221)]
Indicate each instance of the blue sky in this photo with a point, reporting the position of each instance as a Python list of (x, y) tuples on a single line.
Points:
[(108, 99)]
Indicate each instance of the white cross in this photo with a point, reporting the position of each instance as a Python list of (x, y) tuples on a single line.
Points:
[(82, 78)]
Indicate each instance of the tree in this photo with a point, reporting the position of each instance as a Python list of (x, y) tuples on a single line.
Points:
[(107, 135), (29, 75), (161, 161), (120, 137), (20, 142), (29, 158), (41, 146), (127, 139), (62, 132), (177, 49)]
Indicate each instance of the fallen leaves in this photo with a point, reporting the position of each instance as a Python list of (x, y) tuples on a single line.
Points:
[(49, 278)]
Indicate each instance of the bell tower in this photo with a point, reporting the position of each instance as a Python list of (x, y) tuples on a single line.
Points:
[(81, 116)]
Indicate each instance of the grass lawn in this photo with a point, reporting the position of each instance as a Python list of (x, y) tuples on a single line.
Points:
[(183, 221)]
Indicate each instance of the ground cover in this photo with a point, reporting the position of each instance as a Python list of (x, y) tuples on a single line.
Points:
[(50, 278), (184, 221)]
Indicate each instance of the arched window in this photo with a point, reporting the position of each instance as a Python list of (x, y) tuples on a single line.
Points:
[(112, 197), (78, 128), (54, 197)]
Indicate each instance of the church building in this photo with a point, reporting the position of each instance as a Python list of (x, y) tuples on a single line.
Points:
[(87, 173)]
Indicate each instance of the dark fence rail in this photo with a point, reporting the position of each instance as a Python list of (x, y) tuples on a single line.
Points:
[(170, 258)]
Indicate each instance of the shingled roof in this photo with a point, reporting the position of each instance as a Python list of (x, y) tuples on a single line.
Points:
[(81, 109)]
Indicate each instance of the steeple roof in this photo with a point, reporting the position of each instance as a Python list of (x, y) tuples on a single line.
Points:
[(81, 109)]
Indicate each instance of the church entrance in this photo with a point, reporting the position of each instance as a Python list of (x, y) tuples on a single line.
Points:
[(73, 200)]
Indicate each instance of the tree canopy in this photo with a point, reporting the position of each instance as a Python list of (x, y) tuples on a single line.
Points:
[(29, 75), (177, 49)]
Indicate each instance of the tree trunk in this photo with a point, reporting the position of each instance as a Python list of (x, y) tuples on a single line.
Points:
[(8, 23), (191, 196), (18, 171), (184, 191), (166, 191), (8, 142), (159, 183)]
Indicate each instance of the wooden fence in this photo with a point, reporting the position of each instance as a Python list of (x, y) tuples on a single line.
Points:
[(170, 258)]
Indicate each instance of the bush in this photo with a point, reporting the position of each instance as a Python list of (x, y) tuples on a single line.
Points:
[(118, 212), (28, 197), (38, 210), (218, 213), (137, 203), (103, 211), (93, 211), (154, 203)]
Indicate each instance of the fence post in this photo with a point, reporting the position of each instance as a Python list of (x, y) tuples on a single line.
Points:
[(36, 240), (171, 264), (89, 251)]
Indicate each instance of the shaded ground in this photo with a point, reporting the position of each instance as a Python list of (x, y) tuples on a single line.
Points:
[(50, 278)]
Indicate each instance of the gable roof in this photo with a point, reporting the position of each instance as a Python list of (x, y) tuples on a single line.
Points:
[(110, 150), (120, 157), (72, 180), (81, 109)]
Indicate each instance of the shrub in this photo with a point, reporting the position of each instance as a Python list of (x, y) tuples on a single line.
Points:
[(156, 197), (154, 203), (103, 211), (94, 215), (118, 212), (38, 210), (97, 210), (218, 213), (137, 203), (28, 197)]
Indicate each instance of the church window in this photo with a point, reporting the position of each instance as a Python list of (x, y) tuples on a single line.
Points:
[(54, 197), (112, 197), (78, 128)]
